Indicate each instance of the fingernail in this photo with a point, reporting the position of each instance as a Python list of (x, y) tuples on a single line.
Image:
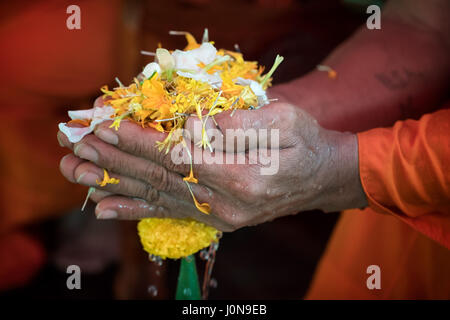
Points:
[(107, 214), (86, 152), (88, 178), (107, 135), (61, 165)]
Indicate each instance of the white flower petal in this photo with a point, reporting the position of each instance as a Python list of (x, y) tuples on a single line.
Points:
[(81, 114), (189, 60), (97, 115), (150, 69), (256, 88), (74, 134)]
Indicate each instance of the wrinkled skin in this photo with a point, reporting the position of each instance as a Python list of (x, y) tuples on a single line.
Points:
[(318, 169)]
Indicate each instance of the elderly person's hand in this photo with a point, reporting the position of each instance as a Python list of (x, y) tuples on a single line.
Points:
[(310, 168)]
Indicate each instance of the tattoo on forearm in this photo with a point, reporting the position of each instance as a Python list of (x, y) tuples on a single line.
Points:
[(399, 79)]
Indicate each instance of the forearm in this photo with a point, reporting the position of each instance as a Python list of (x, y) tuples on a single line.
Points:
[(383, 76)]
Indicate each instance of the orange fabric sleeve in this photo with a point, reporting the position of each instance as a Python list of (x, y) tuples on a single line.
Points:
[(405, 171)]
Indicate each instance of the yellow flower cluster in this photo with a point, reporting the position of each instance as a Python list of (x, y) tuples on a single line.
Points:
[(175, 238)]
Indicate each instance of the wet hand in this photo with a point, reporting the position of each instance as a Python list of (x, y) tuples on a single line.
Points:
[(306, 167)]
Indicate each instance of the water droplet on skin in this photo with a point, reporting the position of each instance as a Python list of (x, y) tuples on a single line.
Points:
[(213, 283), (152, 290), (151, 208), (210, 193), (161, 210)]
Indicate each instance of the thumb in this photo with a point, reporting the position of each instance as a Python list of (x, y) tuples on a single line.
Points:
[(244, 130)]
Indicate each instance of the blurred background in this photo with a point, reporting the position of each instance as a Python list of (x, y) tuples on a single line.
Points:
[(48, 69)]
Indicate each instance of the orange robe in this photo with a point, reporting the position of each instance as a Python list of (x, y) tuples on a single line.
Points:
[(405, 173)]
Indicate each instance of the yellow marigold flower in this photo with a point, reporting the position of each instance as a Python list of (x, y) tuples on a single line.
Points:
[(175, 238), (107, 179), (192, 43), (116, 124), (202, 207), (191, 177)]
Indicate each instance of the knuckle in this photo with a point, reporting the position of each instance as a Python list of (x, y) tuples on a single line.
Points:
[(151, 194), (135, 147), (156, 176), (166, 161), (88, 139), (116, 163)]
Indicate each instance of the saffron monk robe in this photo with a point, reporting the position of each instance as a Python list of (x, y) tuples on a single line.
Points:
[(400, 175)]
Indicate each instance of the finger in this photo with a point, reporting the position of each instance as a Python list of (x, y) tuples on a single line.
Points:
[(163, 170), (100, 101), (124, 208), (270, 126), (67, 166), (89, 174), (62, 138), (106, 156), (99, 195), (141, 142), (132, 139)]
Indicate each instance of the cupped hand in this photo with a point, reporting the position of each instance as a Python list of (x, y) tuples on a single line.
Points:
[(285, 163)]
